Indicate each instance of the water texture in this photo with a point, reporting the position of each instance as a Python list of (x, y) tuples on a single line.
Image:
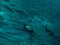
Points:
[(29, 22)]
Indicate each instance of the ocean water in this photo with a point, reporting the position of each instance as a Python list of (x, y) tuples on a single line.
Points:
[(29, 22)]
